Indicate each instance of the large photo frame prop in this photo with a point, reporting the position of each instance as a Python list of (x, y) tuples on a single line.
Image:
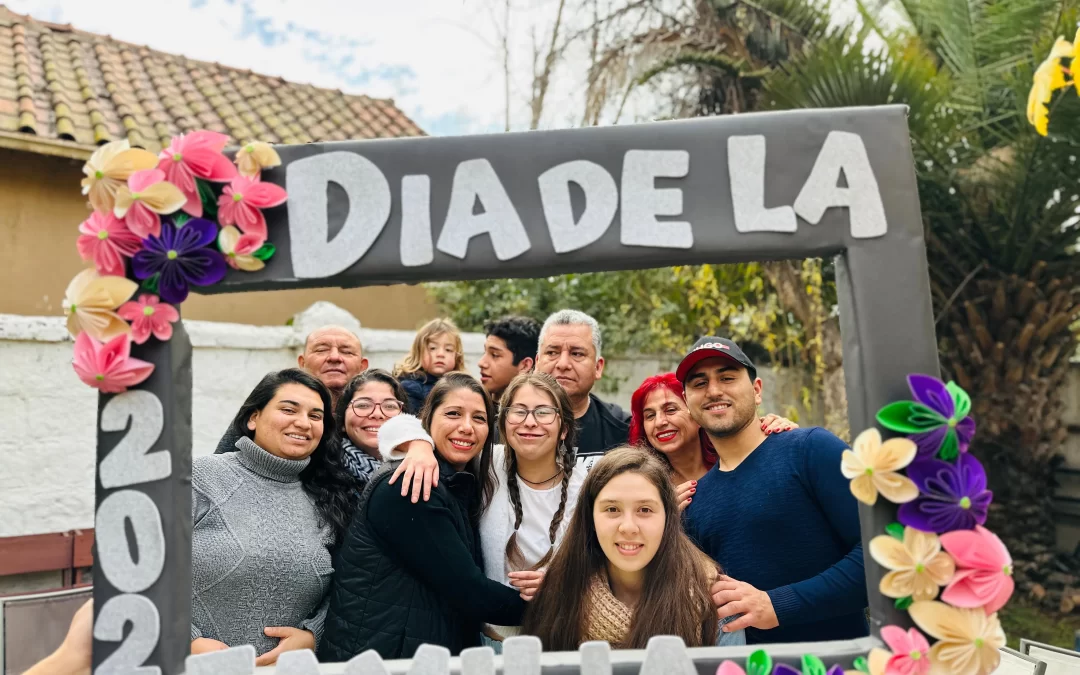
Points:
[(813, 183)]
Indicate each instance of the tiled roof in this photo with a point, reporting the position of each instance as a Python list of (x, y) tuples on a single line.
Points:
[(82, 90)]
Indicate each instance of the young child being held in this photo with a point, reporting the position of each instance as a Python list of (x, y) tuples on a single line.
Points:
[(436, 350)]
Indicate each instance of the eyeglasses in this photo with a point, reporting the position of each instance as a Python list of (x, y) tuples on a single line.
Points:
[(544, 414), (363, 407)]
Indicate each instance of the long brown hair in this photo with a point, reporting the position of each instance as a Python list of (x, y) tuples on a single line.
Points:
[(675, 599), (412, 363), (563, 457), (480, 465)]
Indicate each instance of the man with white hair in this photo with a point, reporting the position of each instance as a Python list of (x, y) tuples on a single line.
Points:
[(334, 355), (570, 351)]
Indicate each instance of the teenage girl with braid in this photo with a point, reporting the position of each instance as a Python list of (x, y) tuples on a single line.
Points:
[(538, 483)]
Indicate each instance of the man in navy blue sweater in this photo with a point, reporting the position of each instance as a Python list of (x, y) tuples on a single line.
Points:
[(775, 512)]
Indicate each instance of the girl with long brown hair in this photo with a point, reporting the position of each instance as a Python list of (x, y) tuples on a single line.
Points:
[(538, 481), (625, 571)]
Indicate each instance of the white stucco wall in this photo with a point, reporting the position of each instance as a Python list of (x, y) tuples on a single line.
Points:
[(48, 417)]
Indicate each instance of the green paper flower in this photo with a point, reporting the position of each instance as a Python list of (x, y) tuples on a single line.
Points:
[(937, 421)]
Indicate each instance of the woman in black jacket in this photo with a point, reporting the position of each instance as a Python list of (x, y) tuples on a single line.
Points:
[(411, 573)]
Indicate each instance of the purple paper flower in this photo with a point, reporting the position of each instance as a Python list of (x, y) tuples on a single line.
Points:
[(936, 421), (952, 496), (182, 257)]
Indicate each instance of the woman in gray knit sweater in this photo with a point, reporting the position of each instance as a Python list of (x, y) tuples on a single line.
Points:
[(266, 518)]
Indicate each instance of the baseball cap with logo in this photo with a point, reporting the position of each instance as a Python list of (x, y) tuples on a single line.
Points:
[(709, 347)]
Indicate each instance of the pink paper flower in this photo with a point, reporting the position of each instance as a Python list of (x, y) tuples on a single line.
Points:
[(149, 315), (911, 651), (106, 240), (196, 155), (241, 203), (109, 366), (983, 570), (239, 249), (730, 668), (146, 197)]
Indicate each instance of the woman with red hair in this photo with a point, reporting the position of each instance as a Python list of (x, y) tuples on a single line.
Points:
[(661, 421)]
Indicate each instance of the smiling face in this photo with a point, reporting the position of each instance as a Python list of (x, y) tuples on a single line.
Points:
[(334, 356), (291, 424), (439, 354), (459, 427), (530, 438), (567, 354), (667, 422), (721, 396), (364, 431), (629, 518), (497, 366)]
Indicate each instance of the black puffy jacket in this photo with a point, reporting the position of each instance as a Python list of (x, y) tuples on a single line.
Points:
[(408, 574)]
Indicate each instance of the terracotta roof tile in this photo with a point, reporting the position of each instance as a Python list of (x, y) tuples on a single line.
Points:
[(64, 84)]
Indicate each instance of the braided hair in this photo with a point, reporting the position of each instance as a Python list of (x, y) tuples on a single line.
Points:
[(564, 459)]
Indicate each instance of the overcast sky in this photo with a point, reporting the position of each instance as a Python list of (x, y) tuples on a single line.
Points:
[(439, 59)]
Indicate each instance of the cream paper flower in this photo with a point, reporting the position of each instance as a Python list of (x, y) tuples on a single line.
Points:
[(90, 304), (873, 466), (918, 565), (968, 641), (109, 168), (254, 157)]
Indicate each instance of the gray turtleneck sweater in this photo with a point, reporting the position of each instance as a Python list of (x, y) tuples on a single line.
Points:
[(259, 556)]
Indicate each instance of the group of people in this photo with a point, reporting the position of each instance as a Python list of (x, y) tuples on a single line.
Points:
[(349, 509)]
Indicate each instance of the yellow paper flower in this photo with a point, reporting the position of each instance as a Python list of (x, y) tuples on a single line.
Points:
[(1049, 77), (90, 304), (873, 465), (109, 168), (967, 639), (239, 249), (919, 566), (254, 157)]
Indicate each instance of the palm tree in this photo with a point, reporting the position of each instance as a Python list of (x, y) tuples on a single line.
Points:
[(999, 201)]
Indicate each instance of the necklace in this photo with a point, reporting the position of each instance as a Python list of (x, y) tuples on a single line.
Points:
[(542, 481)]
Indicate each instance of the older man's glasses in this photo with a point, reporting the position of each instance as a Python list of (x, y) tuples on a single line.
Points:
[(544, 414), (363, 407)]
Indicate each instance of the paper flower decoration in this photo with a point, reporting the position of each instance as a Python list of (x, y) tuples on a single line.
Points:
[(952, 496), (182, 258), (145, 198), (254, 157), (106, 241), (242, 201), (196, 155), (937, 420), (730, 668), (911, 651), (918, 565), (1049, 77), (109, 367), (873, 466), (968, 640), (815, 667), (239, 249), (983, 570), (109, 168), (148, 315), (90, 303)]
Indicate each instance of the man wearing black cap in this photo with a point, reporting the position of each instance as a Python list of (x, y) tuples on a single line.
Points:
[(775, 512)]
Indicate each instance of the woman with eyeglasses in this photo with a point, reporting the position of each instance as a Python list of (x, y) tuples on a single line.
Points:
[(367, 402), (537, 485)]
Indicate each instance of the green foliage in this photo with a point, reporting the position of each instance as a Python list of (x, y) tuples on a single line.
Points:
[(654, 311)]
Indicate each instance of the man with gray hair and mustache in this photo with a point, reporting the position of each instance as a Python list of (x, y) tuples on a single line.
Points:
[(570, 351), (334, 355)]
